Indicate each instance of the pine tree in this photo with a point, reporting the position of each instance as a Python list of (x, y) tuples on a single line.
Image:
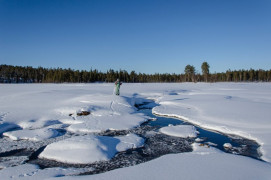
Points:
[(205, 70), (190, 73)]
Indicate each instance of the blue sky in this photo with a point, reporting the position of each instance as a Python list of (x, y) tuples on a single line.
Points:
[(147, 36)]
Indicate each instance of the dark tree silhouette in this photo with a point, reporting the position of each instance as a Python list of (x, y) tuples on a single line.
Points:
[(190, 73), (205, 70), (18, 74)]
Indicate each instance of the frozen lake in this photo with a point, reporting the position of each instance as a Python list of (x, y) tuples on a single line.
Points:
[(40, 124)]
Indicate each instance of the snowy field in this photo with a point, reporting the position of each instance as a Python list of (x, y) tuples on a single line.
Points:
[(35, 114)]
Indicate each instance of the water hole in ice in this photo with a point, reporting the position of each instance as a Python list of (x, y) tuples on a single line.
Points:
[(156, 145), (240, 145)]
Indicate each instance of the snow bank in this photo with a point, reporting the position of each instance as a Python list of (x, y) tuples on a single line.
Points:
[(89, 149), (202, 163), (35, 106), (108, 112), (32, 135), (180, 131)]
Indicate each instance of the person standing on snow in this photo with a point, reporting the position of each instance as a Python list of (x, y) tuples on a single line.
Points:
[(117, 88)]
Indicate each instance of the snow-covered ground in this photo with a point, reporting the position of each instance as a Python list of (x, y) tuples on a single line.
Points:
[(202, 163), (235, 108), (35, 112)]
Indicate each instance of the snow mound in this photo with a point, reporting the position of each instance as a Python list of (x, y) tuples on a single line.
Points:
[(90, 148), (180, 131), (32, 135), (107, 113)]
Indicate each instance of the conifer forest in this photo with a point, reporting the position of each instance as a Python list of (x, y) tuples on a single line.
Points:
[(28, 74)]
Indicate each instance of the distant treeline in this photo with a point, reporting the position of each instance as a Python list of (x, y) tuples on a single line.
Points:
[(19, 74)]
